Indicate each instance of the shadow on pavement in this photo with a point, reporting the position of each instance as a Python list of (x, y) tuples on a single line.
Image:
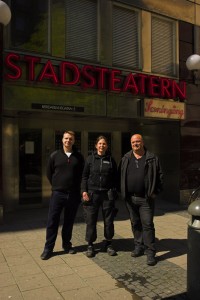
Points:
[(175, 248), (182, 296)]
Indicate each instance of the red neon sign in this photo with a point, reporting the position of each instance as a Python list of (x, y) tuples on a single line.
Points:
[(69, 74)]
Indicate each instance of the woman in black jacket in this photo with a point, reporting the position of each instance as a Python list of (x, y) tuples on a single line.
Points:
[(98, 188)]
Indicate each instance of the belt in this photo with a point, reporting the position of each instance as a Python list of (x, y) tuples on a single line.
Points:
[(137, 195), (98, 191)]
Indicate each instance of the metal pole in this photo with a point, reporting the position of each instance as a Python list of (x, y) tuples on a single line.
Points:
[(193, 257), (1, 102)]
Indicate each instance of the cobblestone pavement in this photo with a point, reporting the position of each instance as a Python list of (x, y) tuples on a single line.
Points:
[(166, 280), (163, 281)]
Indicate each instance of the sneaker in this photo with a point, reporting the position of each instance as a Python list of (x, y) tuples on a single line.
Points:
[(46, 254), (151, 260), (90, 251), (137, 252), (69, 249), (111, 251)]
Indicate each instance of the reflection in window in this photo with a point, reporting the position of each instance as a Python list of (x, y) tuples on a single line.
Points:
[(29, 29)]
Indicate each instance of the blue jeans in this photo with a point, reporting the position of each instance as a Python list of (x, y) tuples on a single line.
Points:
[(69, 202), (141, 211)]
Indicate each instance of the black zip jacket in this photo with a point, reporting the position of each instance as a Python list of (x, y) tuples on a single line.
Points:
[(99, 174), (65, 173), (153, 177)]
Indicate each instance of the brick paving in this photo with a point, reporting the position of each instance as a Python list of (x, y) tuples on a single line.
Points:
[(23, 275)]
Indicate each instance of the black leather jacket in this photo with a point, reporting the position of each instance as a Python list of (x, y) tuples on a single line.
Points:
[(153, 174)]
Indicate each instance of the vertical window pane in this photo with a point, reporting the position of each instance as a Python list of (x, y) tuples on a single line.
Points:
[(30, 25), (81, 31), (125, 38), (186, 48), (163, 46)]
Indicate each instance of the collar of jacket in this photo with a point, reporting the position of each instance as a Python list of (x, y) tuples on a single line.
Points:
[(149, 155), (101, 156)]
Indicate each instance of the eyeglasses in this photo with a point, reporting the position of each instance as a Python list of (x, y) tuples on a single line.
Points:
[(137, 164)]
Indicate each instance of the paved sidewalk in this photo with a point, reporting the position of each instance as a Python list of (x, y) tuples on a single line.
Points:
[(23, 275)]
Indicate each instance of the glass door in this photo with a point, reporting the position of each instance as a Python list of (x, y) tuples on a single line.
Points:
[(30, 166)]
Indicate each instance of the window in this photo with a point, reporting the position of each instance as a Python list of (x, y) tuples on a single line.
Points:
[(186, 48), (82, 29), (125, 38), (30, 25), (163, 46)]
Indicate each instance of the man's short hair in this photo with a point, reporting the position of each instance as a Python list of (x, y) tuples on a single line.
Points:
[(69, 132)]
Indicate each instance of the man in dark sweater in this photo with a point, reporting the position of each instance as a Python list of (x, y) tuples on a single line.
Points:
[(141, 181), (64, 171)]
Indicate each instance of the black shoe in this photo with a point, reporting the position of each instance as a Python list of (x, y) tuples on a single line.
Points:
[(111, 251), (90, 251), (151, 260), (69, 249), (137, 252), (46, 254)]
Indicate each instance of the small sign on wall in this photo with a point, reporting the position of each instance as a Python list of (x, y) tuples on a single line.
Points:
[(29, 147), (164, 109)]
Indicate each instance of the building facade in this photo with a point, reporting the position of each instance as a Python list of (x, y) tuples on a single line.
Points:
[(98, 67)]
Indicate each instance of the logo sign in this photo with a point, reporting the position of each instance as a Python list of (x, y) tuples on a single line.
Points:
[(67, 74), (164, 109)]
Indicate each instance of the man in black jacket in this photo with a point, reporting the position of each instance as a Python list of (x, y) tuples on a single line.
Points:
[(64, 171), (141, 181)]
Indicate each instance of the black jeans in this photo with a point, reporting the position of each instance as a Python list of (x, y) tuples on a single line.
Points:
[(141, 211), (59, 201), (99, 199)]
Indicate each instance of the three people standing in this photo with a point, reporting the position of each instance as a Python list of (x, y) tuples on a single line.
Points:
[(141, 180)]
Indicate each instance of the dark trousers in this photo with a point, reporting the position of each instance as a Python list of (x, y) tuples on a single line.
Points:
[(91, 211), (59, 201), (141, 211)]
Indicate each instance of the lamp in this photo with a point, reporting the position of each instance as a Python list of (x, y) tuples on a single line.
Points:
[(5, 16), (193, 64), (5, 13)]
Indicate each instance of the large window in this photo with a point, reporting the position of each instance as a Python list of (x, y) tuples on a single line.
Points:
[(163, 46), (186, 48), (82, 29), (30, 25), (125, 38)]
